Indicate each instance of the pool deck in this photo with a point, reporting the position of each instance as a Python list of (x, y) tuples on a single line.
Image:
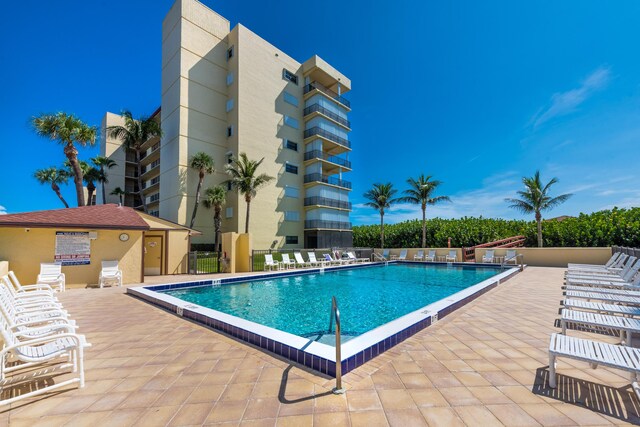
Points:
[(485, 364)]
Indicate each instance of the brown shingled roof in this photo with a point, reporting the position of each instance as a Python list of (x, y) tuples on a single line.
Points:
[(99, 217)]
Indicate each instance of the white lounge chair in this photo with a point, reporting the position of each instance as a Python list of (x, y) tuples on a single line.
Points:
[(611, 260), (288, 262), (431, 256), (51, 274), (401, 257), (599, 307), (452, 256), (419, 256), (12, 279), (618, 299), (270, 264), (618, 264), (593, 352), (342, 257), (110, 273), (33, 352), (617, 272), (31, 297), (300, 262), (630, 279), (626, 325), (489, 256), (316, 261), (355, 259)]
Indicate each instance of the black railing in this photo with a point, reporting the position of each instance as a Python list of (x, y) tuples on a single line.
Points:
[(327, 180), (333, 225), (204, 262), (325, 201), (317, 86), (328, 135), (317, 154), (316, 108)]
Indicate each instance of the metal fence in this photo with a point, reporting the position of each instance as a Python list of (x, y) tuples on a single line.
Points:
[(204, 262), (257, 256)]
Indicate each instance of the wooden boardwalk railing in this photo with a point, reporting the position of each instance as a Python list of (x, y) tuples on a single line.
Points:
[(469, 254)]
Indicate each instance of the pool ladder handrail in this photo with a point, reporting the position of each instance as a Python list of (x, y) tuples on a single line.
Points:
[(335, 313)]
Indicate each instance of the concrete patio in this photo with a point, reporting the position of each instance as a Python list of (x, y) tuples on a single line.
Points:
[(485, 364)]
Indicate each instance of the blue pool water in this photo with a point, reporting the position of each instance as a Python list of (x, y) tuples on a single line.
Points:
[(367, 297)]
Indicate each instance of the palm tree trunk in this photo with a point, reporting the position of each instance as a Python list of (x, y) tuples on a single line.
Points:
[(72, 154), (381, 229), (246, 224), (121, 201), (142, 199), (91, 188), (104, 196), (195, 208), (539, 224), (424, 226), (55, 188)]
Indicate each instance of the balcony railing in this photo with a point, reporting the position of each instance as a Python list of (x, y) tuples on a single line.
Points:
[(316, 108), (317, 154), (312, 177), (324, 201), (151, 182), (130, 157), (328, 135), (314, 85), (334, 225)]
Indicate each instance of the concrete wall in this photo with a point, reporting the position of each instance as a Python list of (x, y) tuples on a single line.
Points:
[(177, 252), (556, 257), (413, 251), (26, 250)]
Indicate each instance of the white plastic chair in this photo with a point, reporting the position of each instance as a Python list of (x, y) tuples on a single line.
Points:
[(52, 275), (488, 256), (452, 256), (419, 256), (110, 273), (511, 256), (288, 262), (432, 256), (270, 264)]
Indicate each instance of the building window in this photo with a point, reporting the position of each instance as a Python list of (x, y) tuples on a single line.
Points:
[(291, 168), (154, 198), (230, 53), (229, 186), (229, 131), (229, 79), (154, 213), (291, 216), (292, 192), (229, 212), (229, 105), (288, 75), (291, 240), (290, 145), (290, 121), (291, 99)]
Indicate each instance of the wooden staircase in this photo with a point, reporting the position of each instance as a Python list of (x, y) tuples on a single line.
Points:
[(469, 254)]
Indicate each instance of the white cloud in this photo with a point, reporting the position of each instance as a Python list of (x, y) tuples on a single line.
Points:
[(3, 210), (566, 102)]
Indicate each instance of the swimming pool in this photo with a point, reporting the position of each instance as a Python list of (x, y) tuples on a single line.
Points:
[(367, 297), (288, 312)]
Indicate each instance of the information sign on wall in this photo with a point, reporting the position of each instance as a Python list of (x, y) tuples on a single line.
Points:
[(73, 247)]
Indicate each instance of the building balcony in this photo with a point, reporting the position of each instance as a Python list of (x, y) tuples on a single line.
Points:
[(327, 202), (331, 225), (150, 170), (315, 87), (331, 164), (152, 184), (316, 109), (325, 179), (333, 140), (149, 143)]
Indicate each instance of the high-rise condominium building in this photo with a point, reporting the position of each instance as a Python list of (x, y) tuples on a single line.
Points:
[(225, 92)]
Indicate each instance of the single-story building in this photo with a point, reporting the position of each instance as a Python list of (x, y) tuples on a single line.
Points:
[(81, 238)]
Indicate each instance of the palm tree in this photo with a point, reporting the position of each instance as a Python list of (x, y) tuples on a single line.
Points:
[(67, 130), (101, 163), (215, 197), (89, 176), (134, 134), (54, 177), (118, 192), (535, 199), (380, 198), (420, 192), (244, 178), (204, 164)]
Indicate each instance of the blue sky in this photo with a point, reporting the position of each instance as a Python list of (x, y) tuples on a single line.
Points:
[(477, 94)]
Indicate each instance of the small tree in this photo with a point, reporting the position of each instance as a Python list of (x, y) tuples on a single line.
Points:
[(245, 179), (101, 163), (204, 164), (120, 193), (54, 177), (420, 192), (215, 198), (535, 199), (380, 198)]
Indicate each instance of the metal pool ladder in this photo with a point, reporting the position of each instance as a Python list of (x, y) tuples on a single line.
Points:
[(335, 313)]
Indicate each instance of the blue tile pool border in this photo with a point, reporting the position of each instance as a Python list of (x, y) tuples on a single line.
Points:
[(314, 355)]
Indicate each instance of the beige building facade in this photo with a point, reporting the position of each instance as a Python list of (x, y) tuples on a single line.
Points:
[(227, 91)]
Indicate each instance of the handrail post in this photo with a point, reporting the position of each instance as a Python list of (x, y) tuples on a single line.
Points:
[(335, 312)]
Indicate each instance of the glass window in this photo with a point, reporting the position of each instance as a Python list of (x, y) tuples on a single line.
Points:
[(288, 75), (291, 168), (291, 216), (291, 240), (229, 105), (291, 99), (229, 186), (290, 121), (292, 192), (290, 145), (230, 53), (229, 79), (229, 131), (229, 212)]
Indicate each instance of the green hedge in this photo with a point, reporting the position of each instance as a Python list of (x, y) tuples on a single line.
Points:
[(605, 228)]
